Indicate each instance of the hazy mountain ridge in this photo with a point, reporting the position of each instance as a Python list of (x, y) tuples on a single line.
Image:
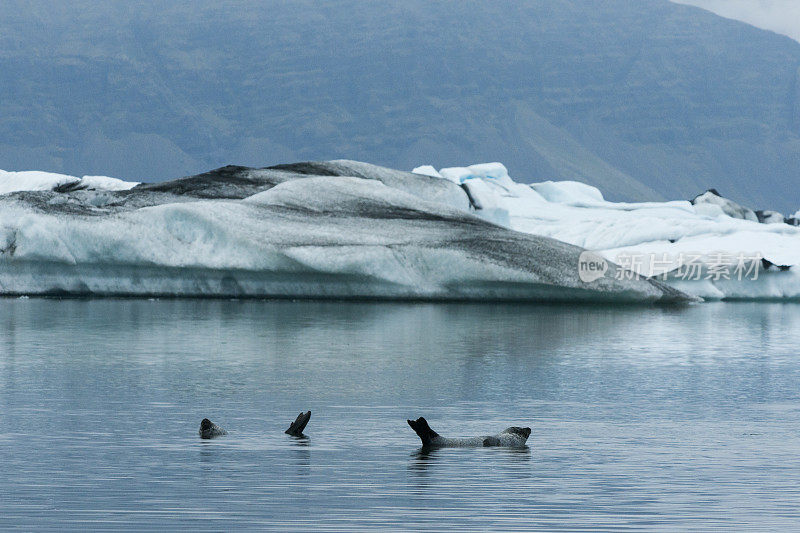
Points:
[(645, 100)]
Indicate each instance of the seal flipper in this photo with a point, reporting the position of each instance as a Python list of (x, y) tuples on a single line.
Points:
[(296, 428), (423, 430)]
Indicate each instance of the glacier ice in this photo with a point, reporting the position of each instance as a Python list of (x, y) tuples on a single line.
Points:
[(711, 230), (729, 207), (49, 181), (33, 181), (427, 170), (571, 192), (350, 229), (770, 217), (336, 229)]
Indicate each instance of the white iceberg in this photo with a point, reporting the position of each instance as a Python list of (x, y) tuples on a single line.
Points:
[(338, 229), (105, 183), (569, 192), (729, 207), (49, 181), (347, 229), (427, 170), (653, 239), (770, 217), (493, 171)]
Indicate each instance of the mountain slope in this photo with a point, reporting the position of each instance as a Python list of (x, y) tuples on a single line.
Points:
[(644, 99)]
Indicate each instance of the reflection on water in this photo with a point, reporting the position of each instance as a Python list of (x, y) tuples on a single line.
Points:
[(641, 417)]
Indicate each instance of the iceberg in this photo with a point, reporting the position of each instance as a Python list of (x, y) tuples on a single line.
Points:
[(335, 229), (710, 247), (49, 181), (771, 217), (729, 207)]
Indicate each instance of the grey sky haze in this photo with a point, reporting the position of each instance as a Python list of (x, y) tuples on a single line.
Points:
[(780, 16)]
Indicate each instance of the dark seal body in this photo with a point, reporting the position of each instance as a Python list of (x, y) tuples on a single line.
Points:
[(512, 437)]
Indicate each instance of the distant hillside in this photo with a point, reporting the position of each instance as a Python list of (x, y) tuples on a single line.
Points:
[(645, 99)]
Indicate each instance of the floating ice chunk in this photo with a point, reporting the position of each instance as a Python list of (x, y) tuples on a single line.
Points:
[(350, 229), (455, 174), (307, 236), (107, 184), (427, 170), (565, 192), (729, 207), (33, 180), (770, 217), (495, 171), (576, 213)]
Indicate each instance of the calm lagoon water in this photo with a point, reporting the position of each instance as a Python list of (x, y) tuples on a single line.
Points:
[(643, 418)]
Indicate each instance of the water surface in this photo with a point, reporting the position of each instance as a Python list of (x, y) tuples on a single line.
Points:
[(643, 418)]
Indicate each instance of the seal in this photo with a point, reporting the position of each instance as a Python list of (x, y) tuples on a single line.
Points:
[(296, 428), (512, 437), (209, 430)]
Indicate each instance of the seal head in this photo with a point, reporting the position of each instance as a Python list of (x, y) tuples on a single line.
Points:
[(424, 431), (522, 432), (209, 430)]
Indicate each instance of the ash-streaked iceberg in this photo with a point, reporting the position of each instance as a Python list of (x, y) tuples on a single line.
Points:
[(339, 229), (710, 247)]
